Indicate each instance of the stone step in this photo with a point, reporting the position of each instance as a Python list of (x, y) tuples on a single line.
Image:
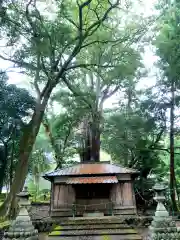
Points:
[(123, 207), (90, 220), (92, 226), (124, 212), (100, 237), (119, 232)]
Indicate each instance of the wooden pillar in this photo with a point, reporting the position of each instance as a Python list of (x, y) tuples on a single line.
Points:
[(55, 195), (52, 196), (116, 194), (127, 194), (64, 195)]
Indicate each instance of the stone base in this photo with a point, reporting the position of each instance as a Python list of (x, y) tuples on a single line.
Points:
[(43, 236), (124, 210), (93, 214)]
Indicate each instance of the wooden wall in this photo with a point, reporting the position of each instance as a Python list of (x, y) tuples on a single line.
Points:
[(122, 194), (116, 194), (127, 194), (63, 196)]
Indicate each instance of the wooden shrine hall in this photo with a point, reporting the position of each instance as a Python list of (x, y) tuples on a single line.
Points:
[(92, 189)]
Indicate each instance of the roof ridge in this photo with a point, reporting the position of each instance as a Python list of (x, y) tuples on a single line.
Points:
[(59, 169), (119, 165)]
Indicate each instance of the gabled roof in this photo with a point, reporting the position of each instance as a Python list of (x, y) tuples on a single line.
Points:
[(90, 169)]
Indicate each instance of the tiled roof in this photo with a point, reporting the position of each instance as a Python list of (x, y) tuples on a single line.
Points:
[(90, 169), (89, 180)]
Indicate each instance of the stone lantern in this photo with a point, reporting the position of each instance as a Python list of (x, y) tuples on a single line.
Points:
[(22, 227), (162, 226), (159, 189), (23, 198)]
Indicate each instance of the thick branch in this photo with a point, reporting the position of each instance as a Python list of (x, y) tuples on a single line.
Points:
[(158, 138), (120, 40), (81, 37), (37, 78), (96, 24), (164, 149), (36, 35), (84, 65), (28, 17), (86, 3), (106, 96), (75, 93), (20, 63)]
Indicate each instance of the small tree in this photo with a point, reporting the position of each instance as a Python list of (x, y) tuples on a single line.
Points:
[(15, 107)]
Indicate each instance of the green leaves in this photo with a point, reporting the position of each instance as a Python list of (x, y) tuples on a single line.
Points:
[(15, 103), (167, 43), (16, 106)]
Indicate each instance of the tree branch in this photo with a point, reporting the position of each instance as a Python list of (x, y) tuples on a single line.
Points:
[(119, 40), (96, 25), (81, 38), (81, 6), (164, 149), (37, 78), (159, 135), (20, 64), (28, 17), (111, 93), (75, 93), (84, 65)]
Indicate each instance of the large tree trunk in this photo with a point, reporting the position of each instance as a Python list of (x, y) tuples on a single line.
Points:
[(11, 165), (85, 142), (90, 145), (172, 172), (26, 146), (95, 139), (3, 156), (52, 141), (87, 147)]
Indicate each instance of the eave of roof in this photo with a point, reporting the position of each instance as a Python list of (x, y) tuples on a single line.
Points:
[(91, 180), (93, 169)]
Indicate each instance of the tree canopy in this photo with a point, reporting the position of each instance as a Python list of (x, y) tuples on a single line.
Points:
[(16, 106)]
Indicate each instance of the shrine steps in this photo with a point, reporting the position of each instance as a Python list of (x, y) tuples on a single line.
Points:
[(107, 228)]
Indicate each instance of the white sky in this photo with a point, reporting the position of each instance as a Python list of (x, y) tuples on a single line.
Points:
[(148, 59)]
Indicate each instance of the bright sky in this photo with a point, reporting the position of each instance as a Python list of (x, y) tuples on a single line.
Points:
[(148, 58)]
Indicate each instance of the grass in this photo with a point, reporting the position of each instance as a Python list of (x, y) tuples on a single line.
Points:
[(4, 223), (40, 201), (56, 231)]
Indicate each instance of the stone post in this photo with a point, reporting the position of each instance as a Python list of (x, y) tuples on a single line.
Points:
[(43, 236), (162, 226), (21, 228)]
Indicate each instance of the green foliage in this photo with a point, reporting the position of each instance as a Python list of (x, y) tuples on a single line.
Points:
[(16, 106), (63, 127), (167, 48), (39, 163), (132, 136), (137, 145)]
